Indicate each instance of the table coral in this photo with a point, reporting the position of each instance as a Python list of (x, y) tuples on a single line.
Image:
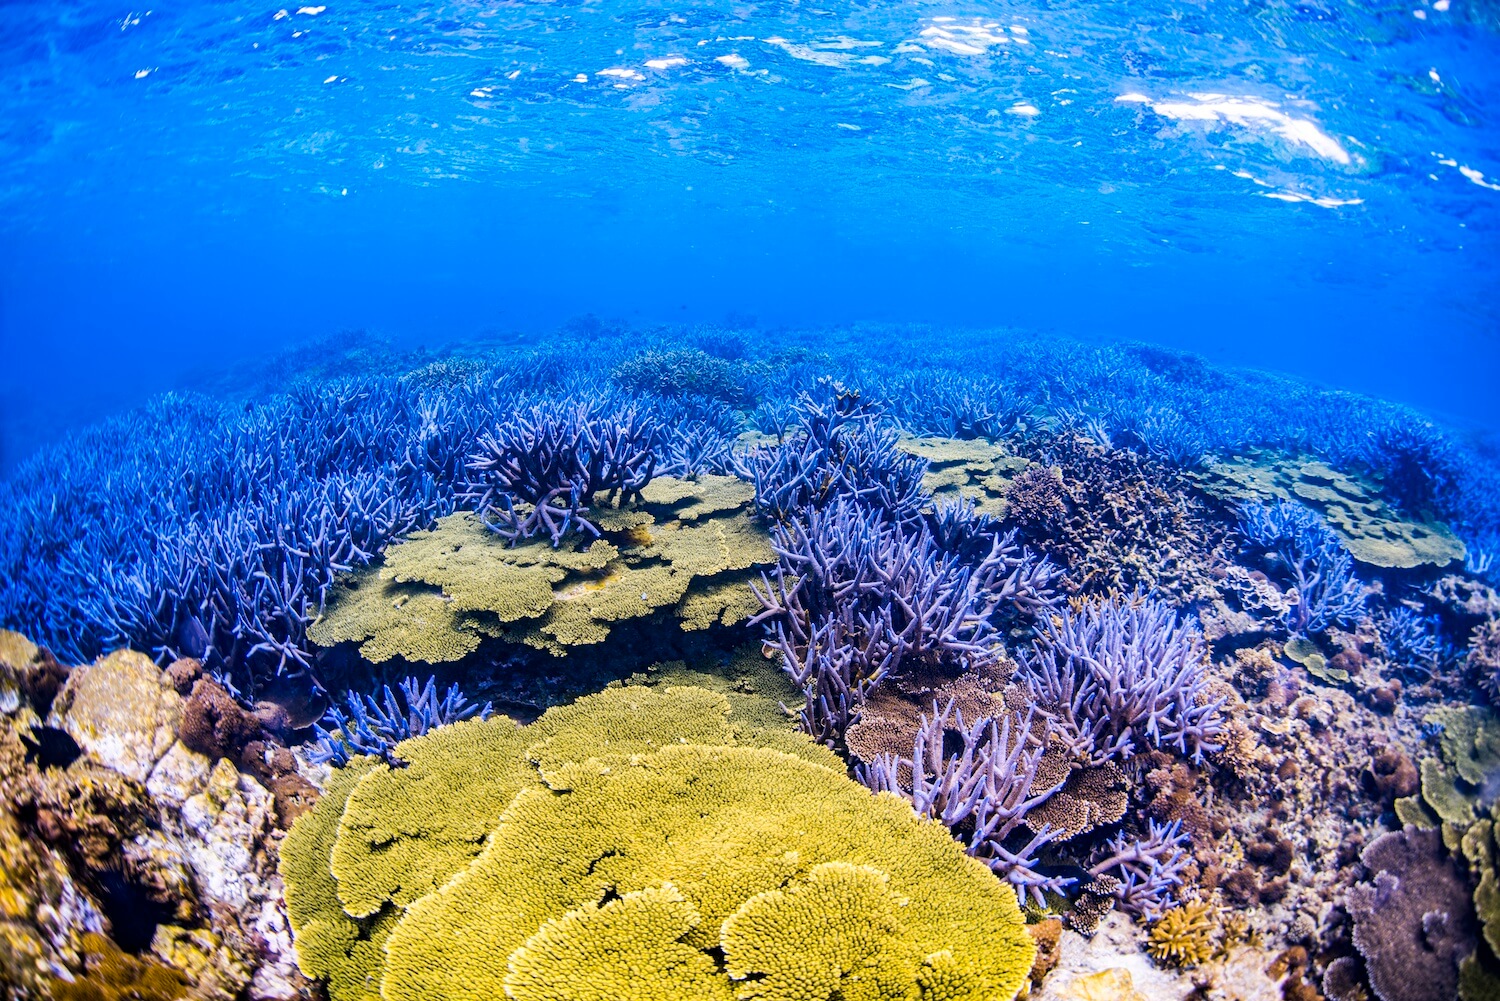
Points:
[(683, 550), (1374, 532), (722, 824), (740, 815)]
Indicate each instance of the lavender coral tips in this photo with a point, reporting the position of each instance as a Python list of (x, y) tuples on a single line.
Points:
[(541, 468), (1118, 674)]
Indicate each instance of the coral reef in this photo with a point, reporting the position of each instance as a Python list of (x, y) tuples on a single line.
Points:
[(553, 459), (1413, 922), (1156, 652), (682, 551), (717, 840), (1351, 506)]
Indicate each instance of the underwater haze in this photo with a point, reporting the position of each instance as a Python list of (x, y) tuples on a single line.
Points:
[(1308, 186)]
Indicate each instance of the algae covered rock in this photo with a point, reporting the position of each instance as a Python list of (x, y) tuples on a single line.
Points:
[(685, 550), (122, 711), (1374, 532), (617, 846)]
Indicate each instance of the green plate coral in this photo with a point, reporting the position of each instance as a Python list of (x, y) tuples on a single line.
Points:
[(651, 843), (686, 549)]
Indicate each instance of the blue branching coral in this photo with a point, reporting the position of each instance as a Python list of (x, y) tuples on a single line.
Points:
[(1148, 870), (1118, 676), (554, 458), (375, 724), (1319, 567), (1413, 642), (855, 598), (838, 448), (982, 792)]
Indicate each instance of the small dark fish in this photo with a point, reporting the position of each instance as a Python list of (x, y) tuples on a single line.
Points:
[(298, 697), (49, 747), (192, 638)]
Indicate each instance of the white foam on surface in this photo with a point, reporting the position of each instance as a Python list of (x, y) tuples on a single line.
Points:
[(1024, 109), (972, 39), (1477, 177), (666, 62), (836, 52), (734, 61), (620, 73), (1247, 112)]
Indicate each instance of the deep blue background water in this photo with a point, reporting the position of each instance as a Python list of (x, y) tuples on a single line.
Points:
[(1312, 187)]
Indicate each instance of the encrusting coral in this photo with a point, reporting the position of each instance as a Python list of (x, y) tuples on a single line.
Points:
[(683, 548), (716, 839)]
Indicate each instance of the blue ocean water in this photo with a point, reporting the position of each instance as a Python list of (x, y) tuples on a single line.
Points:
[(1311, 187)]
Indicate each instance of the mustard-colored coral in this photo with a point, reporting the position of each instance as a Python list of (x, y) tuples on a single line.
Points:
[(330, 944), (1184, 936), (406, 830), (722, 824), (630, 948), (684, 549), (977, 470), (1353, 507), (619, 805), (837, 935), (112, 975)]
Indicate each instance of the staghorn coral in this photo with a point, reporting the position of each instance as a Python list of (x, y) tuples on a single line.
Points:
[(553, 458), (1118, 676), (855, 599), (685, 372), (722, 824), (838, 449), (375, 726), (1319, 566), (681, 551), (1482, 662), (1185, 935)]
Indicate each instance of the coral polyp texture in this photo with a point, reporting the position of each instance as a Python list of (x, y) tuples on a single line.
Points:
[(720, 838), (684, 551)]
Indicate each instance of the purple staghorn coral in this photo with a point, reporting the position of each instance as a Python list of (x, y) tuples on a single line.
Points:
[(1119, 674), (854, 598), (982, 792), (555, 458), (837, 450), (1321, 568), (1148, 869)]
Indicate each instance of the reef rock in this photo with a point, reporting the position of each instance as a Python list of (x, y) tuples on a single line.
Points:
[(123, 711)]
